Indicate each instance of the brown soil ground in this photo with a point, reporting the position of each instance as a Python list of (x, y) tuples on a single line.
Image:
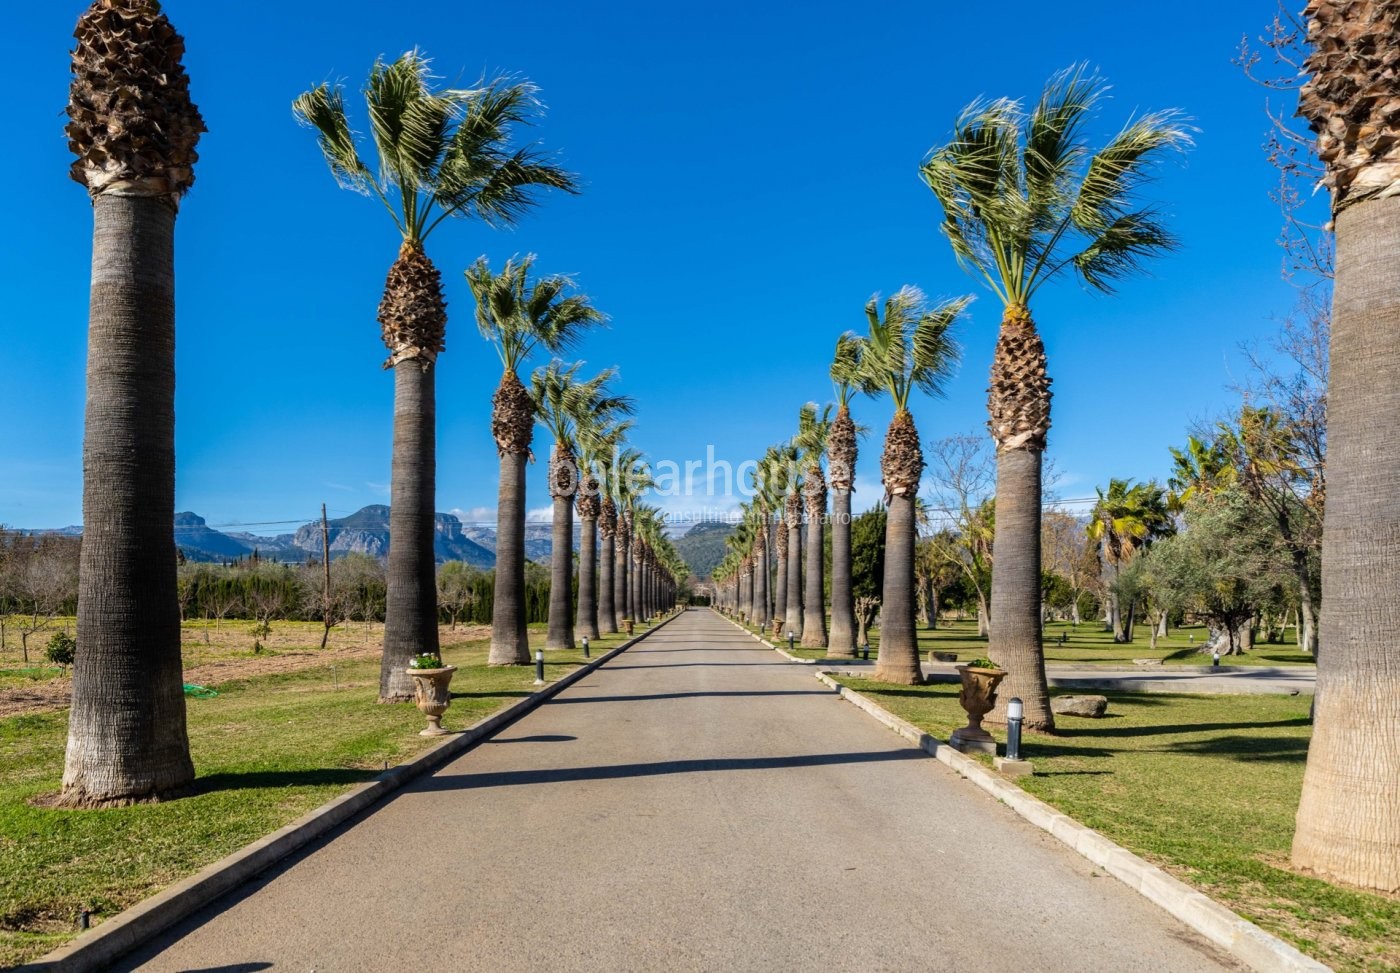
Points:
[(228, 656)]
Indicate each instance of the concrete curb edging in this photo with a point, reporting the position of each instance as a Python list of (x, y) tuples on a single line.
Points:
[(763, 641), (97, 948), (1233, 933)]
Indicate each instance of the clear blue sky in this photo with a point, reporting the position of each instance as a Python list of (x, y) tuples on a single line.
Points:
[(750, 179)]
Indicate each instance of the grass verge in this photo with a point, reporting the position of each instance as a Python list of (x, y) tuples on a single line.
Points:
[(267, 750), (1205, 787)]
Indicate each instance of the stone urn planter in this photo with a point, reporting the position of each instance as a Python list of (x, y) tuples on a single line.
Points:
[(627, 625), (431, 694), (978, 697)]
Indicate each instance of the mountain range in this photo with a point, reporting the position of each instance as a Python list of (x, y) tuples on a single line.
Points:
[(366, 531)]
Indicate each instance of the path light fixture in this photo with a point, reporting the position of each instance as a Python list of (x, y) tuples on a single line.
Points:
[(539, 667), (1015, 712), (791, 638), (585, 647), (865, 651), (1216, 659)]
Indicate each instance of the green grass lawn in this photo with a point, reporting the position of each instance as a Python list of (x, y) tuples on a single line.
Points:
[(266, 749), (1205, 787), (1087, 643)]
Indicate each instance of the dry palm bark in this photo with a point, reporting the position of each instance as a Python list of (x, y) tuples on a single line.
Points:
[(607, 529), (814, 600), (1348, 826), (413, 319), (622, 568), (589, 507), (760, 577), (780, 577), (1019, 404), (563, 486), (134, 130), (842, 452), (792, 522), (512, 425), (901, 466)]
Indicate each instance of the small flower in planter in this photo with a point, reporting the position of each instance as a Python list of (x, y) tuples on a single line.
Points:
[(425, 661), (983, 664)]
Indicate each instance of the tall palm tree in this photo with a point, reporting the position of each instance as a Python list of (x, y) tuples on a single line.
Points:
[(912, 348), (779, 470), (574, 411), (1025, 201), (134, 130), (768, 498), (519, 315), (792, 526), (842, 450), (597, 514), (441, 154), (1349, 818), (813, 428), (635, 480), (1125, 521)]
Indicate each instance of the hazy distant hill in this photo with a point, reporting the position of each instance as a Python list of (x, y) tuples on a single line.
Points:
[(539, 539), (200, 542), (702, 547), (366, 531)]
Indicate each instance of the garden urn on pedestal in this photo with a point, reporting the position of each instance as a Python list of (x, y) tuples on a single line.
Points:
[(431, 694), (978, 697)]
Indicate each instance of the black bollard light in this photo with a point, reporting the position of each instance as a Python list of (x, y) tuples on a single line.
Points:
[(539, 667), (1015, 712), (791, 638), (865, 651), (585, 647), (84, 919), (1215, 660)]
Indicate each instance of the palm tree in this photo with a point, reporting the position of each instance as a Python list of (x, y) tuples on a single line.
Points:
[(1349, 818), (441, 154), (1125, 521), (598, 515), (812, 432), (134, 130), (634, 479), (1024, 201), (912, 348), (574, 411), (842, 449), (519, 315), (792, 526)]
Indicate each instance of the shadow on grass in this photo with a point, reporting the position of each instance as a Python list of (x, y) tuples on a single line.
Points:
[(258, 779), (1175, 728), (498, 694), (1249, 749)]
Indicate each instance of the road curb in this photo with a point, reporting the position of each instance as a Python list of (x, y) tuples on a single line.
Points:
[(99, 947), (763, 641), (1233, 933)]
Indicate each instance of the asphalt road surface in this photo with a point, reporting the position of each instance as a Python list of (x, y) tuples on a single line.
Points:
[(697, 804)]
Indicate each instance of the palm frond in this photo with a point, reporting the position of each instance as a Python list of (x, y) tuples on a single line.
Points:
[(518, 313), (1118, 251), (1117, 171), (935, 353), (323, 109)]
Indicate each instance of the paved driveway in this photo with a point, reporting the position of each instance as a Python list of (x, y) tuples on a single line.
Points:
[(694, 805)]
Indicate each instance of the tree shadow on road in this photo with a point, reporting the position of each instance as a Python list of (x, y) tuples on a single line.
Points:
[(556, 775), (692, 695)]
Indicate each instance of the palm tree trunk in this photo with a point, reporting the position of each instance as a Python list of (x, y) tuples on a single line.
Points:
[(561, 561), (1349, 817), (898, 661), (780, 577), (814, 598), (410, 612), (843, 613), (1015, 638), (510, 640), (793, 622), (607, 615), (634, 596), (621, 545), (588, 579), (127, 739), (760, 585)]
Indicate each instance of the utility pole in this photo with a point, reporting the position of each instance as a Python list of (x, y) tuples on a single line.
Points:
[(326, 575)]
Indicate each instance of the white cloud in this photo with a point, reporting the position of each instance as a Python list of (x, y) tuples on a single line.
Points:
[(540, 515), (476, 515)]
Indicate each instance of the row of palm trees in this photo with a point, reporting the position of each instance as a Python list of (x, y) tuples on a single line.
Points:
[(1025, 202), (439, 154)]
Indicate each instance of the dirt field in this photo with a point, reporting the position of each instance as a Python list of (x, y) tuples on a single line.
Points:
[(212, 656)]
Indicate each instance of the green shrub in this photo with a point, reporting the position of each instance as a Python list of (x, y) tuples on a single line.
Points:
[(61, 649)]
